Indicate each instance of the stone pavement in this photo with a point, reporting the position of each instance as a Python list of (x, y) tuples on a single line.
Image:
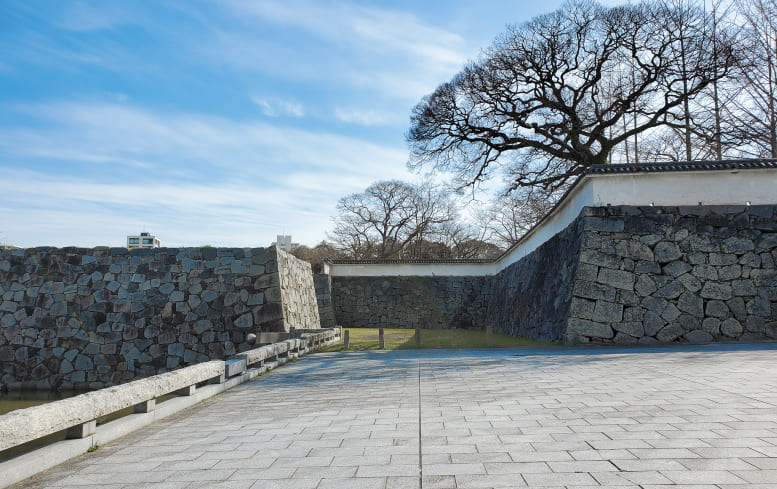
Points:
[(686, 417)]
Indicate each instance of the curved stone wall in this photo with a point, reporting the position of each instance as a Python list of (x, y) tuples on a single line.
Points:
[(531, 298), (616, 274)]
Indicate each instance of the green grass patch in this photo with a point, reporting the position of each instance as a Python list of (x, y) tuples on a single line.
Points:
[(403, 339)]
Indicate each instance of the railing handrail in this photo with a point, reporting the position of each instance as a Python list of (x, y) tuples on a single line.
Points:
[(28, 424)]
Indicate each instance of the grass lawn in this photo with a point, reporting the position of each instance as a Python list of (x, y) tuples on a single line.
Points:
[(400, 339)]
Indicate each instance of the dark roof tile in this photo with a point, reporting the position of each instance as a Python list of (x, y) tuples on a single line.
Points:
[(678, 166)]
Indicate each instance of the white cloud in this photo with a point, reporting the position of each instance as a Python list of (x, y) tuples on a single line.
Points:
[(275, 107), (82, 16), (41, 210), (191, 178), (125, 134), (378, 49), (364, 117), (372, 29)]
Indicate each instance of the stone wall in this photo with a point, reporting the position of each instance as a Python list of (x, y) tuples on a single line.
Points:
[(88, 318), (326, 312), (298, 295), (676, 274), (531, 298), (619, 274), (406, 302)]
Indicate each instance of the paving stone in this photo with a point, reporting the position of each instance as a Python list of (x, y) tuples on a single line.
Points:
[(703, 477), (686, 416)]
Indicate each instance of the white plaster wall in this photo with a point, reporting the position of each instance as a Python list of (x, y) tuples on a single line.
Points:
[(582, 195), (686, 188), (718, 187), (412, 270)]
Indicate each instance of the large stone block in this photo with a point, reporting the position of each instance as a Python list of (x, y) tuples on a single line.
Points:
[(619, 279), (717, 309), (607, 312), (713, 290), (731, 328), (583, 327), (632, 328), (698, 337), (736, 245), (670, 333), (691, 303), (667, 251), (611, 224)]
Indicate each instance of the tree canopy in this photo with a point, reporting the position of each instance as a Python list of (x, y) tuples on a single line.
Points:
[(555, 95), (394, 219)]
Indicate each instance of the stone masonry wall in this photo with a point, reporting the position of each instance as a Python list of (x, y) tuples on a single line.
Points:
[(405, 302), (323, 286), (668, 274), (531, 298), (615, 275), (88, 318), (298, 295)]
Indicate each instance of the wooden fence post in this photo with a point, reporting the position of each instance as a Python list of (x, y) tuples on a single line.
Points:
[(346, 340), (381, 341)]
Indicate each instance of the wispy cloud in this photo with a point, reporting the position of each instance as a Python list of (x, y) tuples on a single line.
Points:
[(126, 134), (215, 121), (274, 107), (364, 117), (373, 29), (179, 172), (386, 50), (83, 16), (45, 210)]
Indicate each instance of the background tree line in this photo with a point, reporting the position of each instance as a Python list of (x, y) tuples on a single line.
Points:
[(400, 220), (663, 80)]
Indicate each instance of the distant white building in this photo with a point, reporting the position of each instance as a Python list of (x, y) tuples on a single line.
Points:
[(144, 240), (284, 242)]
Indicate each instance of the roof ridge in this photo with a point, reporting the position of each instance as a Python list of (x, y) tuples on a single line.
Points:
[(658, 166)]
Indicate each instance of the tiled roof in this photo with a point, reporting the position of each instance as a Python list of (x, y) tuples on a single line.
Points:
[(676, 166)]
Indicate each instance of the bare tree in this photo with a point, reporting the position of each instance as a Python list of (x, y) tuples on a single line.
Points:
[(509, 217), (550, 97), (316, 255), (388, 217), (686, 17), (721, 30), (757, 108), (467, 240)]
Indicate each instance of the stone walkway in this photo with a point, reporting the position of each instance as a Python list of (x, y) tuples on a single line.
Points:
[(694, 417)]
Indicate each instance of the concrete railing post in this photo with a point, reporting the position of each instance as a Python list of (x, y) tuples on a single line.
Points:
[(186, 391), (145, 406), (381, 339), (82, 430), (346, 340)]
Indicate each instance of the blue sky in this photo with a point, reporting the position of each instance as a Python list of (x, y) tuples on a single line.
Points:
[(219, 122)]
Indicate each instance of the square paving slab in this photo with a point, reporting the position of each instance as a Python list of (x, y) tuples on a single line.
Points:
[(686, 417)]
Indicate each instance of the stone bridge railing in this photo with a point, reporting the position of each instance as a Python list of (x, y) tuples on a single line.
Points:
[(78, 415)]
